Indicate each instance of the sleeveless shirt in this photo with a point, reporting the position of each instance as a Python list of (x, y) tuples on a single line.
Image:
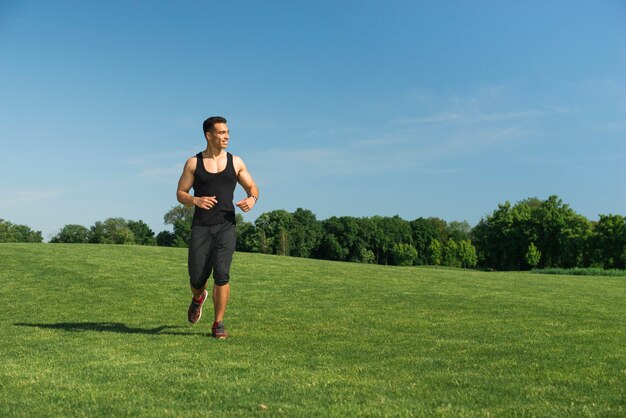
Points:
[(222, 186)]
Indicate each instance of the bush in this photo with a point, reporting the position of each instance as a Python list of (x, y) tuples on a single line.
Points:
[(72, 234), (404, 254), (165, 239), (18, 233), (591, 271), (533, 255)]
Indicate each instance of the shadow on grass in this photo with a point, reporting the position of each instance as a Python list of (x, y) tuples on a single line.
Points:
[(117, 327)]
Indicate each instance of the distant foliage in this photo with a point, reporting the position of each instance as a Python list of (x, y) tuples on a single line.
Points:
[(532, 234), (404, 254), (72, 234), (165, 239), (466, 254), (533, 255), (381, 240), (608, 242), (180, 217), (10, 232), (548, 234), (435, 251), (142, 233), (110, 231), (576, 271)]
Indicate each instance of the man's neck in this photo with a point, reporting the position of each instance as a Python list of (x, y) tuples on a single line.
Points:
[(214, 153)]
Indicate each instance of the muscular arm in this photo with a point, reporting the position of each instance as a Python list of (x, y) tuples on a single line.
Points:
[(245, 180), (184, 185)]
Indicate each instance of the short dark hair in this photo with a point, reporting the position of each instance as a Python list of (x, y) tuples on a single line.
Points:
[(209, 124)]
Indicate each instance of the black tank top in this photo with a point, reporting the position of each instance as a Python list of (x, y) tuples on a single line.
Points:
[(222, 186)]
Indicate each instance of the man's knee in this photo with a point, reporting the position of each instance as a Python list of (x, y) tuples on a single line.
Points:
[(221, 280), (197, 290), (197, 282)]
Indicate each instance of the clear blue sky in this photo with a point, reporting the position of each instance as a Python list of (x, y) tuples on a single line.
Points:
[(361, 108)]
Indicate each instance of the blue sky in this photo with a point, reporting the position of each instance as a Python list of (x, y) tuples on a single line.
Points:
[(354, 108)]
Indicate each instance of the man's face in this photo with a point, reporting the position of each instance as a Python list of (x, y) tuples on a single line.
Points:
[(219, 137)]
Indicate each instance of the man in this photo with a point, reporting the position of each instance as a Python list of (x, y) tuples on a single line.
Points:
[(213, 174)]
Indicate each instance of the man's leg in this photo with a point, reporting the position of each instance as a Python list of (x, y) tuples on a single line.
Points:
[(194, 313), (220, 300), (197, 293), (199, 270), (221, 275)]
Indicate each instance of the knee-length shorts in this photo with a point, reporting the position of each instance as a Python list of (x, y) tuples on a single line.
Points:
[(211, 250)]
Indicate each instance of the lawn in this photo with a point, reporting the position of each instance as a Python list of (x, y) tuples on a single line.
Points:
[(98, 330)]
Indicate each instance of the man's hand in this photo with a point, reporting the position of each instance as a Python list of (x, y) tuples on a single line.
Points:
[(246, 204), (205, 202)]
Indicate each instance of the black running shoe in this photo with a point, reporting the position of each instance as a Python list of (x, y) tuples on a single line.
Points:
[(195, 309)]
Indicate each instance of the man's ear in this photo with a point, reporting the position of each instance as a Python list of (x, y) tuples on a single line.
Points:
[(207, 135)]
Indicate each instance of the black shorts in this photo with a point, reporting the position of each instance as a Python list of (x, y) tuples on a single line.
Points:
[(211, 249)]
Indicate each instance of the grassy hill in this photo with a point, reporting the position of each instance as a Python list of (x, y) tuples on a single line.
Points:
[(96, 330)]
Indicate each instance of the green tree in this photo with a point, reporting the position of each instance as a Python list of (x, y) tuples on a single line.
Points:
[(6, 234), (345, 232), (72, 233), (467, 254), (330, 249), (388, 231), (281, 242), (367, 256), (404, 254), (561, 234), (502, 238), (181, 218), (264, 247), (305, 233), (608, 241), (458, 231), (165, 239), (533, 255), (23, 233), (142, 233), (112, 231), (451, 254), (435, 252), (247, 235), (10, 232), (276, 225), (424, 231)]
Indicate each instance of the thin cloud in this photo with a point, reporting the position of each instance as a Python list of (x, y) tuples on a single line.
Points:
[(380, 141), (471, 118), (475, 140), (160, 165), (150, 159), (436, 118), (166, 172), (29, 197)]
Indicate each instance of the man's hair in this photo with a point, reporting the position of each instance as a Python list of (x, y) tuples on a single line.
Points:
[(209, 124)]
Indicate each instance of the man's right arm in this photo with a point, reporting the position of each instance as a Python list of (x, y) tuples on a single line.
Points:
[(184, 185)]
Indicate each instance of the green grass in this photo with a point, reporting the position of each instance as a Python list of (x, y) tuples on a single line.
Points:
[(96, 330)]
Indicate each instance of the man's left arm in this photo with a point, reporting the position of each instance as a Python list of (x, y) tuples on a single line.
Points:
[(245, 179)]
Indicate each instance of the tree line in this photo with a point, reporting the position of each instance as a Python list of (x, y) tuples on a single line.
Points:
[(10, 232), (530, 234)]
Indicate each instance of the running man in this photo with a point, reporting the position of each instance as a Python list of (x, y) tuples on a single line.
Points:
[(213, 174)]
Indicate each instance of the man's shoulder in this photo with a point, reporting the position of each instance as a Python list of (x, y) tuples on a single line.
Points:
[(237, 162), (192, 161)]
